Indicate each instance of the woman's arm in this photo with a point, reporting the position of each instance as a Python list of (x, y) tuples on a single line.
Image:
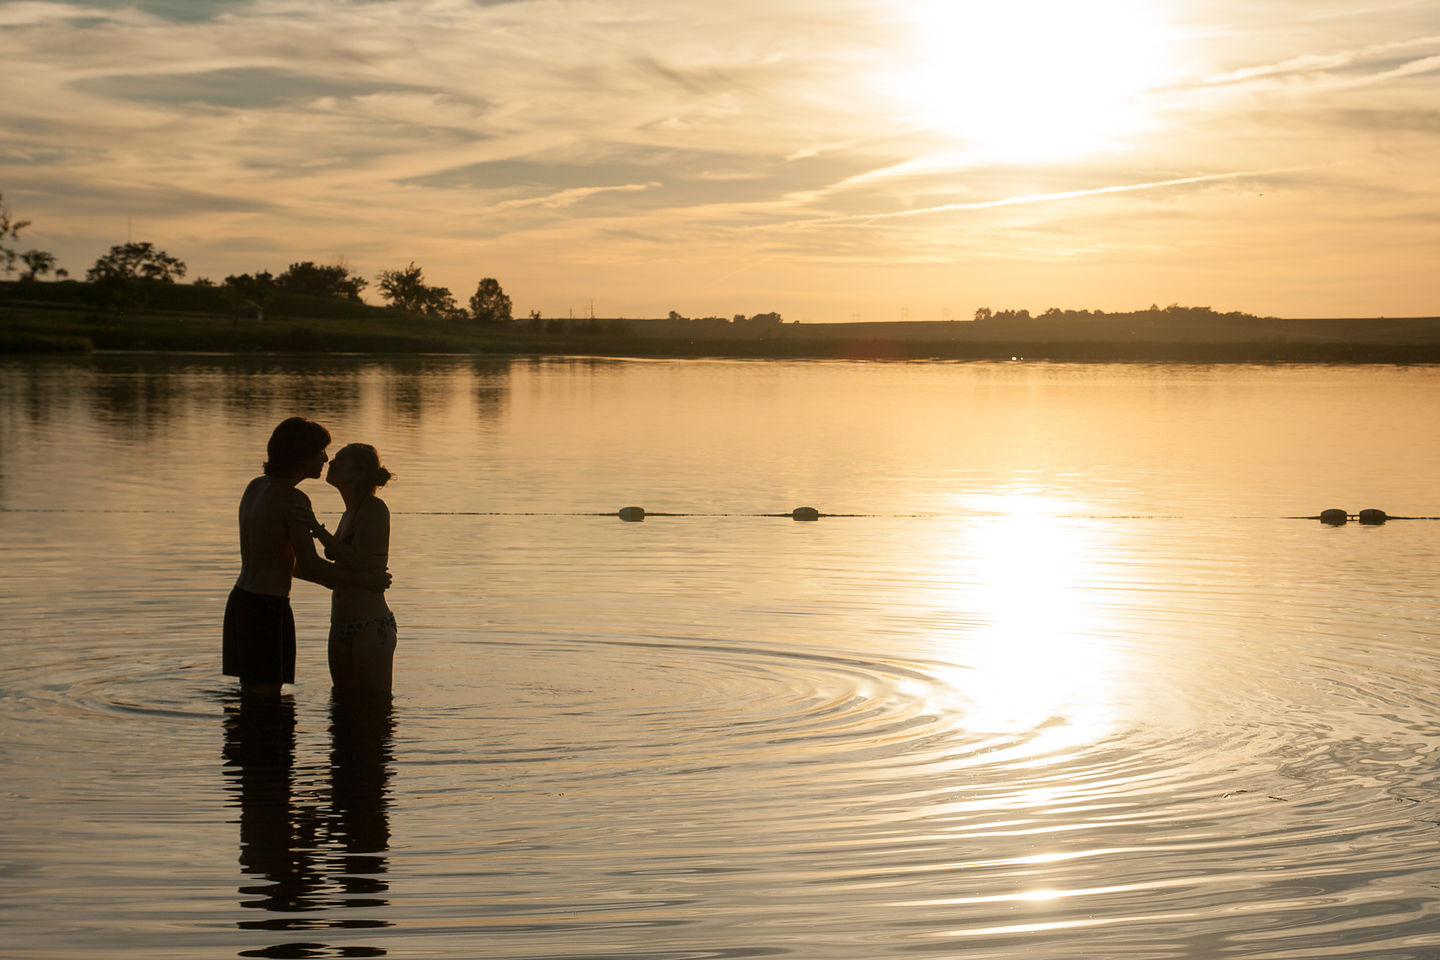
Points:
[(368, 547), (309, 565), (355, 554)]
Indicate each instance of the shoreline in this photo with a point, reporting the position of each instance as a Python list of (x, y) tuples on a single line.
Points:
[(1086, 353), (40, 319)]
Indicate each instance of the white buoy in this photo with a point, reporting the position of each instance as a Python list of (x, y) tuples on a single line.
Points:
[(1334, 516), (804, 513), (632, 514), (1372, 517)]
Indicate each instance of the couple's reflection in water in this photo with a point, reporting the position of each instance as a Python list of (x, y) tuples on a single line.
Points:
[(313, 837)]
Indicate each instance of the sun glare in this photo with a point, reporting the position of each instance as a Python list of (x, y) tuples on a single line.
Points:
[(1033, 655), (1031, 80)]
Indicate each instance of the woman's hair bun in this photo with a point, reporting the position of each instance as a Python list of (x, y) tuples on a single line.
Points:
[(367, 458)]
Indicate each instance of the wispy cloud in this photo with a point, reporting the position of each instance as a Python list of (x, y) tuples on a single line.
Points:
[(629, 145), (572, 196), (1034, 198), (1312, 63)]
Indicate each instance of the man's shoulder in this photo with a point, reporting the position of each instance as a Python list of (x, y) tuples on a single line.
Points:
[(265, 494)]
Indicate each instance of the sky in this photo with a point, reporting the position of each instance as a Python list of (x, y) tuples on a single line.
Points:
[(832, 160)]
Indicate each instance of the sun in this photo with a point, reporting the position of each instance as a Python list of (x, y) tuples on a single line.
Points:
[(1031, 80)]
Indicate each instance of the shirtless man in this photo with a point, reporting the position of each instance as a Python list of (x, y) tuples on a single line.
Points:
[(275, 546)]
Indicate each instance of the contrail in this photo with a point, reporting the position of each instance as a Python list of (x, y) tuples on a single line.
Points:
[(1046, 197), (743, 267)]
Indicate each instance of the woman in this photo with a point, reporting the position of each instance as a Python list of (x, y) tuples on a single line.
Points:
[(362, 628), (258, 641)]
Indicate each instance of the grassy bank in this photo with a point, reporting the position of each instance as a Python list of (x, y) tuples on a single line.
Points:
[(60, 318), (177, 317)]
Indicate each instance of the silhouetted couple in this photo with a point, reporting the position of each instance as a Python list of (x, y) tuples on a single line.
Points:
[(278, 531)]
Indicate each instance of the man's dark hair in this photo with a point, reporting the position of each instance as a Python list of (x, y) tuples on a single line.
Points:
[(293, 442)]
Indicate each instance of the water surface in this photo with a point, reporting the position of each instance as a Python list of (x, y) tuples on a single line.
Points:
[(1067, 679)]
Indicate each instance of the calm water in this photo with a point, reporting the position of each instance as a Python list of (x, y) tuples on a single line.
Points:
[(1069, 684)]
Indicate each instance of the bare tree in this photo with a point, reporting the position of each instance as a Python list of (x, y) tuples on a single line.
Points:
[(9, 233)]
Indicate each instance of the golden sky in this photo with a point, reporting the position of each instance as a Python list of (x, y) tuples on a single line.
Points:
[(829, 159)]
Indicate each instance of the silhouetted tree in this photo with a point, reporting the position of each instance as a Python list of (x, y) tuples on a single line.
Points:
[(440, 302), (9, 232), (330, 280), (407, 290), (246, 282), (403, 288), (490, 304), (137, 261), (248, 294), (984, 313), (38, 263)]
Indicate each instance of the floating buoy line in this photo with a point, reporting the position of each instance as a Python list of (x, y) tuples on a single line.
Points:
[(1334, 516)]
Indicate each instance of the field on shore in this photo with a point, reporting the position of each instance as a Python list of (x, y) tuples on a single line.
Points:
[(56, 317)]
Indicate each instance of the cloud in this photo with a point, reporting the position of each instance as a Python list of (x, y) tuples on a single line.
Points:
[(1036, 198), (1355, 67), (572, 196), (647, 136), (235, 87), (693, 81), (179, 11), (1386, 120)]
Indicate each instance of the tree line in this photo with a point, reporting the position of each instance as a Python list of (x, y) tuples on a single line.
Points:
[(116, 280), (1173, 312), (405, 289), (770, 319)]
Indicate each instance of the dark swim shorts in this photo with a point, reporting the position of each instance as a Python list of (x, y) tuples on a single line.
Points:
[(258, 640)]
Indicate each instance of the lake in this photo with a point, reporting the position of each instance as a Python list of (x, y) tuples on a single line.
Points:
[(1061, 671)]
